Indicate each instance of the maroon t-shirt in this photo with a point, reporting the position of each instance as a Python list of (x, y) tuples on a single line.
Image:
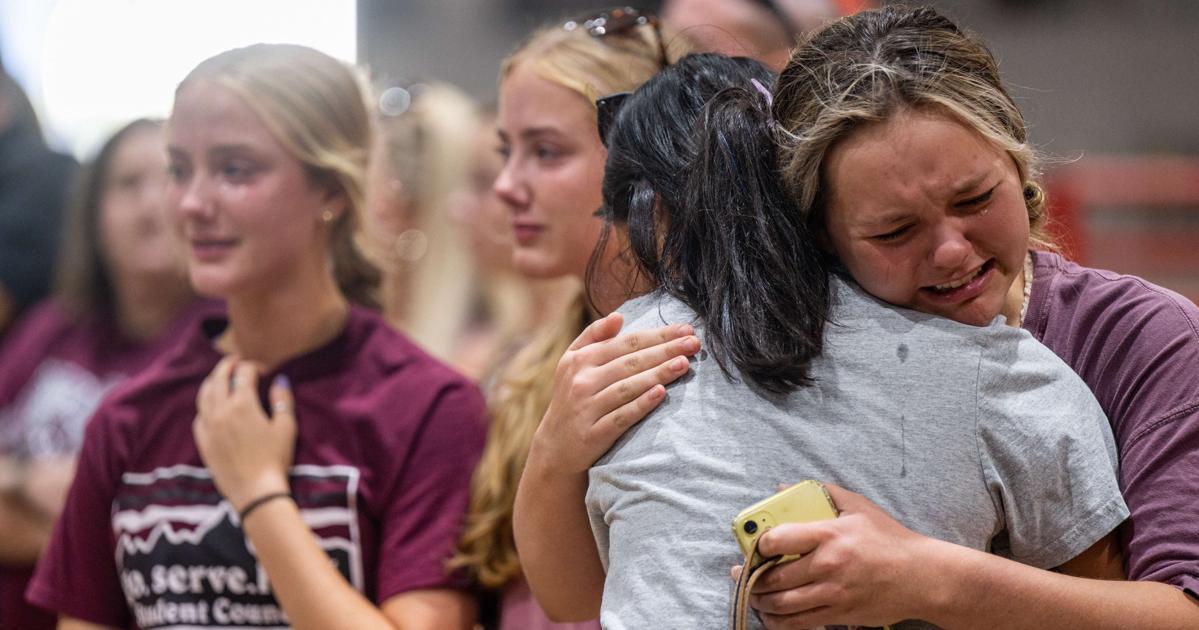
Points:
[(54, 371), (1137, 347), (388, 439)]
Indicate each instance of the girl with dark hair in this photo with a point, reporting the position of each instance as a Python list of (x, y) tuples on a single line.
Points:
[(194, 507), (122, 297), (904, 153), (888, 401)]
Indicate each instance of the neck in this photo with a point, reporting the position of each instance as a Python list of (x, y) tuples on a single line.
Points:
[(300, 314), (144, 307), (396, 294), (548, 298), (616, 280), (1013, 302)]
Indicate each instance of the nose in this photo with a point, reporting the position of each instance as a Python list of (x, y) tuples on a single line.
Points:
[(512, 188), (952, 248), (190, 198)]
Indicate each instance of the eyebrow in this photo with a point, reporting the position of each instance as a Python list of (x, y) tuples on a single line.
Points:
[(533, 133), (218, 149), (971, 184), (883, 221)]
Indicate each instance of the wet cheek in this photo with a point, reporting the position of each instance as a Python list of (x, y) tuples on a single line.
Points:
[(889, 277)]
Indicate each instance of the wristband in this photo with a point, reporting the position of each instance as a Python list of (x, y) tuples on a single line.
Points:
[(244, 513)]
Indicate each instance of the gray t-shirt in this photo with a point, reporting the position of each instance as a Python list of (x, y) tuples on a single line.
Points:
[(975, 435)]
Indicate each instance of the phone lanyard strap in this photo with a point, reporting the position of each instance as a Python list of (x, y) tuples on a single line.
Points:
[(739, 611)]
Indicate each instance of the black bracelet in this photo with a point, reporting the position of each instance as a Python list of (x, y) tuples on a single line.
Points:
[(257, 503)]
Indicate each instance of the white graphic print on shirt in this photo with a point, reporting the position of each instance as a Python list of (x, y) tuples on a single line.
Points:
[(49, 418), (184, 561)]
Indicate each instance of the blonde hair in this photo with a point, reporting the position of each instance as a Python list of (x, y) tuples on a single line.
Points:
[(426, 149), (487, 548), (866, 68), (592, 67), (595, 66), (316, 106)]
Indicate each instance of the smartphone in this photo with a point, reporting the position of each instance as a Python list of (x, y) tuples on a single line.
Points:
[(804, 502)]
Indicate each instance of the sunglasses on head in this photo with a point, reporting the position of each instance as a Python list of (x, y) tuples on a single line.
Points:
[(622, 21)]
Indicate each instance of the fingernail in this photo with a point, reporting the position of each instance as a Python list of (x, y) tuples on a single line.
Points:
[(685, 329), (281, 380), (679, 363), (691, 344)]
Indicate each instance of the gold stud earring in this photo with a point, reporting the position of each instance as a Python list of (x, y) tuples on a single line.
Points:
[(327, 215)]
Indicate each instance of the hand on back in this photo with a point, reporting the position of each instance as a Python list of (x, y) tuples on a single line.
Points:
[(606, 383)]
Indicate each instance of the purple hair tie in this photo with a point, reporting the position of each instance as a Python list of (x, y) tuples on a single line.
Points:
[(769, 102), (765, 92)]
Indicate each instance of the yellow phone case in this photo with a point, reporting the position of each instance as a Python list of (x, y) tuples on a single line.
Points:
[(804, 502)]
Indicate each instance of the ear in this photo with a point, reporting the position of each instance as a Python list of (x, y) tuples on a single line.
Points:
[(334, 201)]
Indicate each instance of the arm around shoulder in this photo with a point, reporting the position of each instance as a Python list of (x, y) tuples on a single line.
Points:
[(982, 590)]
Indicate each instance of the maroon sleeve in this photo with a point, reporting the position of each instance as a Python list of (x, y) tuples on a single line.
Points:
[(1160, 475), (423, 518), (1137, 347), (77, 574), (25, 346)]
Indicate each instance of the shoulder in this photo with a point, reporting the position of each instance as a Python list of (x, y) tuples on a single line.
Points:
[(1090, 297), (1134, 343), (858, 319), (171, 377), (391, 355), (384, 367), (1014, 366), (656, 309), (41, 332), (44, 320)]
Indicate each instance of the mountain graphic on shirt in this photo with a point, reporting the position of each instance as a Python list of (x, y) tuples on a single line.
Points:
[(184, 561)]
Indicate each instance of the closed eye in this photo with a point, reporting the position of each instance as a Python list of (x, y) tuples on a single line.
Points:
[(177, 171), (975, 201), (892, 235)]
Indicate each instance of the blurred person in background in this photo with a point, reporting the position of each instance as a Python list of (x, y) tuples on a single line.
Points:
[(193, 506), (550, 183), (763, 29), (426, 133), (121, 299), (34, 182)]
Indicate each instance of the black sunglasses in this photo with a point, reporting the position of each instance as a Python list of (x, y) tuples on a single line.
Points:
[(606, 109)]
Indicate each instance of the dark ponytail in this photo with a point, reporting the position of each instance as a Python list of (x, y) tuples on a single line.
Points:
[(691, 174)]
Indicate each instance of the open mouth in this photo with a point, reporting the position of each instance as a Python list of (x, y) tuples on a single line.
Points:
[(964, 285)]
